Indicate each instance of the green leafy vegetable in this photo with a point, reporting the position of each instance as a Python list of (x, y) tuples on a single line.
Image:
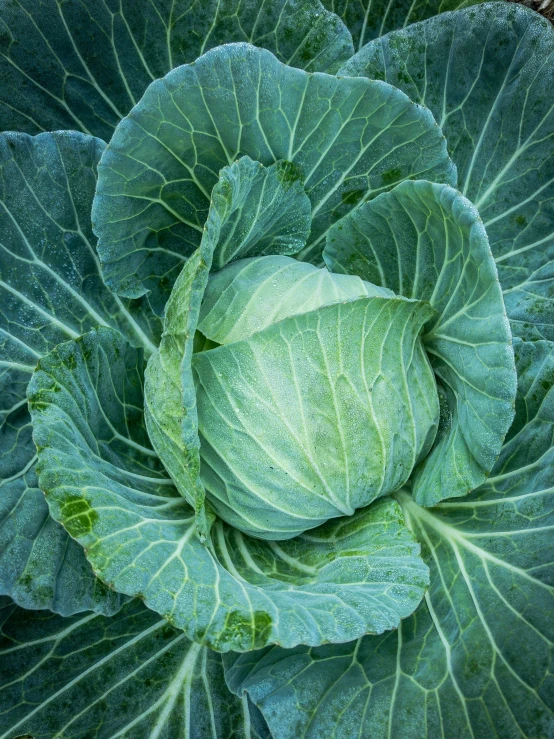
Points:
[(498, 118), (426, 241), (346, 136), (475, 659), (272, 464), (104, 484), (333, 408)]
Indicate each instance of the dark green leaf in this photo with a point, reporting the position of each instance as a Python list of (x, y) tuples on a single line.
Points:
[(487, 74), (50, 290), (40, 565), (83, 64), (369, 19), (130, 676)]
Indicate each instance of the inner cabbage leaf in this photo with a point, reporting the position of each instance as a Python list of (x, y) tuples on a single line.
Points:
[(327, 403), (249, 295)]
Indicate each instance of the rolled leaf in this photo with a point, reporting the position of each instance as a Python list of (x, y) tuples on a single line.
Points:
[(234, 229), (255, 293)]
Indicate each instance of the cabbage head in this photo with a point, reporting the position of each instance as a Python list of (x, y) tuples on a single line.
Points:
[(276, 369), (316, 399)]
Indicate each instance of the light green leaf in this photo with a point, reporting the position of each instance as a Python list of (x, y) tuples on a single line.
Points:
[(84, 64), (132, 675), (351, 139), (316, 415), (349, 577), (234, 229), (475, 660), (252, 294), (426, 241), (487, 73), (169, 396), (369, 19), (50, 290)]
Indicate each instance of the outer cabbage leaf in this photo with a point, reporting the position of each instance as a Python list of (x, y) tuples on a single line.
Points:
[(369, 19), (426, 241), (475, 660), (50, 290), (315, 416), (351, 139), (131, 675), (353, 576), (83, 64), (40, 565), (487, 74), (234, 229)]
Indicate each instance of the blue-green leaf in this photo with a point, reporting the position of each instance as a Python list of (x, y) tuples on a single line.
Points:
[(487, 74), (349, 577), (369, 19), (426, 241), (40, 565), (84, 64), (132, 676), (476, 659), (266, 211), (350, 138), (253, 209), (50, 290)]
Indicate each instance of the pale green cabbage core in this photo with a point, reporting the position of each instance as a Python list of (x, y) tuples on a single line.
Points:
[(314, 393), (251, 294)]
